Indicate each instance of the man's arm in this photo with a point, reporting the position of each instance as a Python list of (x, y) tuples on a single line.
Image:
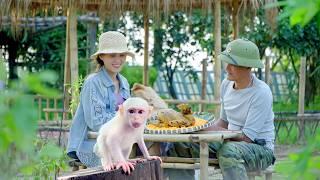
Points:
[(219, 125)]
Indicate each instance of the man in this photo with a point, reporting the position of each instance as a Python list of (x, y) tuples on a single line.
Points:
[(246, 105)]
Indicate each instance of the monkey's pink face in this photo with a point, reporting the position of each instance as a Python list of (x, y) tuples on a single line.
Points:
[(137, 116)]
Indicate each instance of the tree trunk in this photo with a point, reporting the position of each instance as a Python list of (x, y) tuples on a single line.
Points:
[(12, 51), (171, 88)]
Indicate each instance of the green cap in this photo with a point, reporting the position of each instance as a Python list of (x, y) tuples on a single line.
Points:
[(242, 52)]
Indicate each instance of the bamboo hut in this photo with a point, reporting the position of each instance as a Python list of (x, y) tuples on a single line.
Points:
[(17, 9)]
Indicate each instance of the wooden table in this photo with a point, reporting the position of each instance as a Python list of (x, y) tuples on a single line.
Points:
[(202, 137)]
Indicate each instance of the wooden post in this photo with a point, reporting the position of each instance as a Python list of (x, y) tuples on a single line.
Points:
[(235, 18), (204, 82), (146, 46), (71, 59), (302, 84), (217, 51), (204, 154), (47, 106), (267, 70), (91, 39), (40, 107)]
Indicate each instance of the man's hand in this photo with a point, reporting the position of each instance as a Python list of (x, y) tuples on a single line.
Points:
[(243, 137)]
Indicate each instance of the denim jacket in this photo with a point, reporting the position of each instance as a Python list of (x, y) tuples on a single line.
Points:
[(97, 106)]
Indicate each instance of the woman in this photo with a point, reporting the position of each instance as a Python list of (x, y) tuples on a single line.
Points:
[(100, 96)]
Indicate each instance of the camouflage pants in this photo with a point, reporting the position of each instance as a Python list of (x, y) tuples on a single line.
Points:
[(235, 158)]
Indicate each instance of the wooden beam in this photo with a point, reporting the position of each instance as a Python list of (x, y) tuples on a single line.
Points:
[(217, 51)]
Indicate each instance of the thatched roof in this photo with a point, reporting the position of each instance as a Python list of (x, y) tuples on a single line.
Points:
[(22, 8), (16, 9)]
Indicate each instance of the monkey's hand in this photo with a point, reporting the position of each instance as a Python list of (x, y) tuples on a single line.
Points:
[(126, 166), (154, 158), (136, 160), (108, 166)]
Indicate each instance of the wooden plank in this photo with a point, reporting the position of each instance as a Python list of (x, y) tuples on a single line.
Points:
[(150, 170)]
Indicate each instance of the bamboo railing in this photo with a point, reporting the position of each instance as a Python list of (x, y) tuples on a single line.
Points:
[(51, 113)]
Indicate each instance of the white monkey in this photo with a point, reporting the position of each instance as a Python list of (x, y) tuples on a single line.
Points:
[(117, 136)]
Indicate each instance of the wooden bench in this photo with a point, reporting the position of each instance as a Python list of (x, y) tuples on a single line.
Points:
[(267, 172)]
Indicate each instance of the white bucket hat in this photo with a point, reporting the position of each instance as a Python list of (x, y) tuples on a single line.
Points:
[(112, 42)]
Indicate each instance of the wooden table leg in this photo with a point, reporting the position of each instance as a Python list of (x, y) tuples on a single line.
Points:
[(204, 155)]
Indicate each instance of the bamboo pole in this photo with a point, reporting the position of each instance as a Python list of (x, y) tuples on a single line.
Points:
[(55, 106), (207, 136), (146, 46), (39, 108), (47, 106), (180, 166), (177, 101), (204, 82), (235, 18), (91, 39), (217, 51), (186, 160), (267, 71), (302, 84), (71, 59), (204, 154)]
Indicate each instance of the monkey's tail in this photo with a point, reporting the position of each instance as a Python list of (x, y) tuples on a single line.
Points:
[(96, 147), (99, 144)]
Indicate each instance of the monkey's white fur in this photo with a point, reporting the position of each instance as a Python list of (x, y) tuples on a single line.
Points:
[(117, 136)]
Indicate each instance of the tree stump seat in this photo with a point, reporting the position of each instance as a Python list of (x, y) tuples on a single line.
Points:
[(147, 170)]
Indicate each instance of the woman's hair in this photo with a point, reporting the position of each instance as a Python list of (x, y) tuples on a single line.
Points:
[(99, 63)]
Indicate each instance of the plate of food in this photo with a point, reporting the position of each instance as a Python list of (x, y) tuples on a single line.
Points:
[(169, 121), (159, 125)]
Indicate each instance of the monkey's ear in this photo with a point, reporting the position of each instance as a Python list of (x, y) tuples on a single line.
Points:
[(150, 111), (137, 86)]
